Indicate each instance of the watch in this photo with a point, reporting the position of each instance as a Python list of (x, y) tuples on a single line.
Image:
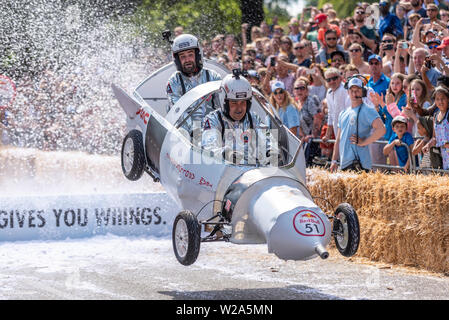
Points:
[(334, 161)]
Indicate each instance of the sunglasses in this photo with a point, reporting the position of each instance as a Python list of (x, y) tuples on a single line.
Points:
[(300, 88), (432, 9), (433, 46), (330, 39), (299, 48), (279, 92), (248, 61), (332, 79), (374, 63), (355, 50), (360, 12), (388, 41)]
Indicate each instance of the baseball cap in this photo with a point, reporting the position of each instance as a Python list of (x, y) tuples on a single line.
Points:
[(355, 82), (277, 85), (374, 56), (445, 43), (383, 3), (319, 18), (399, 119)]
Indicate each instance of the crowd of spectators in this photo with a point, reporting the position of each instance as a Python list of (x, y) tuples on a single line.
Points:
[(302, 68)]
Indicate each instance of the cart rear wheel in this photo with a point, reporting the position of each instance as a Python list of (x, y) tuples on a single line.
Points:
[(346, 230), (186, 237), (133, 159)]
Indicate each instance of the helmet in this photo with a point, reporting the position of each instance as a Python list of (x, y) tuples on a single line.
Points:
[(235, 87), (185, 42)]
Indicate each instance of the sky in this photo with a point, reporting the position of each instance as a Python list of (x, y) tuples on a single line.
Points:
[(295, 7)]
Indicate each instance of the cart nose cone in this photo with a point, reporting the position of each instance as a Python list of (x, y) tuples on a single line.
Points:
[(300, 234)]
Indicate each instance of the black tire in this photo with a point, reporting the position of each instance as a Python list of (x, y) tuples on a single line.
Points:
[(346, 230), (133, 158), (186, 225)]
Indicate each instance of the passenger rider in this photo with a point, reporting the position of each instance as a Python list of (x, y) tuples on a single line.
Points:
[(188, 58)]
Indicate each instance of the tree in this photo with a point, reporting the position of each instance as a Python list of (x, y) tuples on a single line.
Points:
[(252, 13)]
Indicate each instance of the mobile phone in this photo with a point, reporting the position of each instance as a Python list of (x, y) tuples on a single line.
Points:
[(404, 45), (310, 71), (351, 31), (389, 47), (273, 61), (426, 21)]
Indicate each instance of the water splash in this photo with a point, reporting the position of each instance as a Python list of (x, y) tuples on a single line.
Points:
[(64, 55)]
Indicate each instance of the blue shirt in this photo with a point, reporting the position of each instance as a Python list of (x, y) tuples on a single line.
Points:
[(290, 116), (387, 119), (401, 151), (347, 122), (402, 102), (433, 75), (390, 24), (381, 85)]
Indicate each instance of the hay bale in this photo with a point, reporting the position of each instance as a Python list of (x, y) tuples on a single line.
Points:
[(403, 218)]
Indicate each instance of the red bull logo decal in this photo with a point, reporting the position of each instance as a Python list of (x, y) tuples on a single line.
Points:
[(308, 223)]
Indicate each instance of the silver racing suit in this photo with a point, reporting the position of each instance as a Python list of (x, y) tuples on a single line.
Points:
[(243, 142), (178, 84)]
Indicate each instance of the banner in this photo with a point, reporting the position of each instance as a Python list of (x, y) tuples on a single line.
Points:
[(77, 216)]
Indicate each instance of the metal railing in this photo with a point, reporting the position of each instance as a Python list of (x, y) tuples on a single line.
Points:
[(413, 168)]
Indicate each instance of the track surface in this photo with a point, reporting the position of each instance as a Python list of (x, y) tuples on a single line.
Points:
[(111, 267)]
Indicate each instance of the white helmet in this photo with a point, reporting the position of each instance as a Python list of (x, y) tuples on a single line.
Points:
[(236, 87), (186, 42)]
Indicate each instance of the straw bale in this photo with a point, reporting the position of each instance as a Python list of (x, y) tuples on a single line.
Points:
[(403, 218)]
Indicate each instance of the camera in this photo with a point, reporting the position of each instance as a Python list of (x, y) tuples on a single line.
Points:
[(351, 31), (273, 61), (389, 47), (166, 35), (429, 63)]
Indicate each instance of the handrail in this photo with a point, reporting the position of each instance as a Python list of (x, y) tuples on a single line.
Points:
[(412, 168)]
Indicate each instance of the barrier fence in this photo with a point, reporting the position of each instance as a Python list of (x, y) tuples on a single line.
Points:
[(413, 168)]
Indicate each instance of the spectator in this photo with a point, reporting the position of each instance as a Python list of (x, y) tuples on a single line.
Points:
[(317, 85), (266, 32), (331, 45), (294, 34), (358, 127), (280, 72), (417, 102), (399, 137), (287, 48), (368, 35), (417, 8), (417, 64), (217, 45), (278, 31), (338, 59), (285, 106), (301, 56), (309, 107), (441, 126), (326, 147), (388, 23), (356, 59), (401, 14), (378, 81), (412, 22), (230, 48), (337, 99), (178, 31), (323, 26), (432, 158), (387, 51), (444, 15)]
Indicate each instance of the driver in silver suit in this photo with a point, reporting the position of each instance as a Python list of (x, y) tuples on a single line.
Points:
[(233, 131)]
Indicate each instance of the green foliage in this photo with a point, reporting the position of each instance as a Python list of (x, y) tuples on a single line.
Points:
[(203, 18), (275, 10)]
